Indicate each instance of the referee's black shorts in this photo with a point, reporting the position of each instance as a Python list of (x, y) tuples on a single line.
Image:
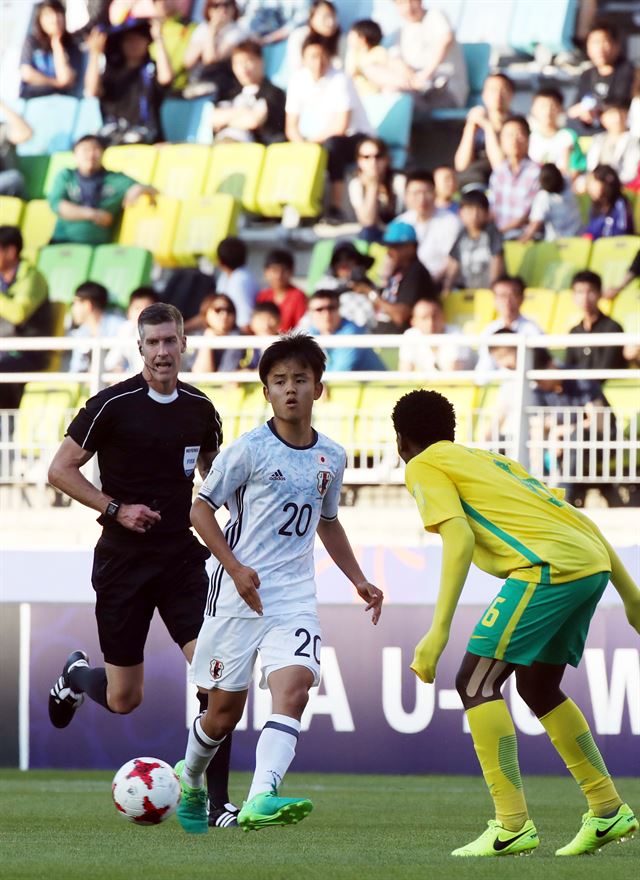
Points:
[(131, 582)]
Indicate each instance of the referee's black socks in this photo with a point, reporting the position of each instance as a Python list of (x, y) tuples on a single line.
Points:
[(92, 682)]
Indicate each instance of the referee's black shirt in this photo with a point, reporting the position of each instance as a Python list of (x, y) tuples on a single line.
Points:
[(147, 445)]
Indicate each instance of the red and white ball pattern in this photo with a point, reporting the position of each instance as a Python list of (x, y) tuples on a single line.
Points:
[(146, 791)]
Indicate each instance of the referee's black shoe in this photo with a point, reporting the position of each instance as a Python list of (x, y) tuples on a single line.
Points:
[(63, 702), (223, 817)]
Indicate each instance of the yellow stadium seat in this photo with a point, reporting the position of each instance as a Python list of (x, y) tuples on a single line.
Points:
[(235, 169), (625, 308), (227, 400), (57, 163), (556, 262), (469, 310), (585, 142), (11, 209), (38, 221), (43, 416), (584, 204), (254, 409), (486, 402), (202, 224), (58, 318), (336, 412), (566, 314), (293, 174), (539, 305), (611, 258), (151, 226), (519, 258), (136, 160), (181, 170)]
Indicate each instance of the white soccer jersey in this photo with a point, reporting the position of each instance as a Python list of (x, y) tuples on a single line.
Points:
[(276, 495)]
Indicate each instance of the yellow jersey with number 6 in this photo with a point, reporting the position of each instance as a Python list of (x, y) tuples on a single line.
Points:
[(522, 528)]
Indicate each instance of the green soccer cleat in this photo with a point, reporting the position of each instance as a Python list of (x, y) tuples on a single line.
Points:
[(596, 832), (267, 809), (192, 809), (498, 841)]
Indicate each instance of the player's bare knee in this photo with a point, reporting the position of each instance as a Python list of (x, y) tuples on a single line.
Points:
[(125, 703)]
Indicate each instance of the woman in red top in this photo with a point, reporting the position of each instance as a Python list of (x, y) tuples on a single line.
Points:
[(292, 302)]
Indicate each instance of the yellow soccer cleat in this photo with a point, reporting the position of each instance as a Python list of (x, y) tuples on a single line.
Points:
[(596, 832), (499, 841)]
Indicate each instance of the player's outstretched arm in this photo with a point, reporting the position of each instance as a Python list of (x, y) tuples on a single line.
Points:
[(458, 542), (204, 521), (335, 540)]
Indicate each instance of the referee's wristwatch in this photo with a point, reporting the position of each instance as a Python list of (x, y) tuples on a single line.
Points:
[(112, 509)]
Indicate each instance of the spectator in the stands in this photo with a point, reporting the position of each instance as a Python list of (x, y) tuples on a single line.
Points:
[(219, 315), (88, 199), (415, 353), (370, 190), (326, 320), (131, 85), (610, 77), (127, 358), (508, 294), (615, 146), (235, 279), (436, 228), (476, 259), (549, 142), (587, 291), (14, 130), (445, 180), (91, 319), (347, 274), (254, 109), (407, 280), (121, 10), (631, 274), (265, 321), (171, 34), (24, 311), (479, 151), (270, 21), (208, 55), (554, 212), (610, 212), (321, 22), (323, 107), (364, 49), (50, 60), (290, 300), (514, 183), (83, 15)]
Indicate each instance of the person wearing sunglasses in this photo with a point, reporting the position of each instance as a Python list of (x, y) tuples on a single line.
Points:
[(219, 315), (370, 190), (326, 320)]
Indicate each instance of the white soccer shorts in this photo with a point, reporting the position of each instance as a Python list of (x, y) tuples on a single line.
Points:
[(227, 649)]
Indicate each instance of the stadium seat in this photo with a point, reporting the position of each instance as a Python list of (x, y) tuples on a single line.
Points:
[(202, 224), (253, 410), (624, 398), (11, 209), (227, 400), (584, 204), (611, 258), (566, 314), (546, 24), (477, 56), (187, 121), (378, 252), (625, 308), (552, 264), (121, 270), (58, 318), (88, 118), (390, 113), (181, 170), (321, 257), (292, 174), (34, 171), (38, 221), (519, 259), (57, 162), (539, 305), (52, 119), (65, 266), (236, 169), (485, 409), (336, 411), (276, 66), (42, 416), (469, 310), (136, 160), (151, 226), (374, 433)]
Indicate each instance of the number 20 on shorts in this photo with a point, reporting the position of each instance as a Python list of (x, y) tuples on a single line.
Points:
[(493, 612)]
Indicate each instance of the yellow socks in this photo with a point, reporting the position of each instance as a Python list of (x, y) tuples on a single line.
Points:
[(570, 734), (494, 738)]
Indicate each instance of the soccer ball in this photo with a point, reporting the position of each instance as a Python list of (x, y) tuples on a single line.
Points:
[(146, 791)]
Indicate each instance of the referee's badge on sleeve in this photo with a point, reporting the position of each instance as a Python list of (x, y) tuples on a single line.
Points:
[(189, 459)]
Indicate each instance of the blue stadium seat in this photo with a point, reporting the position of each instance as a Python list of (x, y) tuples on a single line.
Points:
[(52, 119), (275, 63), (187, 121), (476, 56), (547, 24), (390, 114), (88, 118)]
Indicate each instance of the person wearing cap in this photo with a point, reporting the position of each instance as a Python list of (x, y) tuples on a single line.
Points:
[(326, 320), (407, 280), (347, 274)]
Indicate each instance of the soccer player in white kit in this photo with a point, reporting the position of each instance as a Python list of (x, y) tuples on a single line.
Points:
[(281, 483)]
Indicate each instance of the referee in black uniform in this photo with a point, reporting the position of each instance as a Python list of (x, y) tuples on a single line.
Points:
[(150, 432)]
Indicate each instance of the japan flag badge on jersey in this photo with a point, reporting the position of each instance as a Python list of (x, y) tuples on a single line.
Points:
[(189, 459)]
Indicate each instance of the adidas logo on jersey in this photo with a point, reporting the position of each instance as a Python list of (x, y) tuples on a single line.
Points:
[(277, 475)]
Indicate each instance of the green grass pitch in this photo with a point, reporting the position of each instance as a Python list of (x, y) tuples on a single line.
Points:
[(63, 826)]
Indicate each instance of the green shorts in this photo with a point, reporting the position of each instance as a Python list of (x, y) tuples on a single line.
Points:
[(544, 622)]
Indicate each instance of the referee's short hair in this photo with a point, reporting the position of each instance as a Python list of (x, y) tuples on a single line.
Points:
[(160, 313)]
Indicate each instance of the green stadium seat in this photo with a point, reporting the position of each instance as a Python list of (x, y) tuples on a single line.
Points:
[(539, 305), (57, 162), (65, 266), (336, 412), (469, 310), (121, 269), (202, 224), (293, 174), (235, 169), (584, 204), (227, 400), (611, 258), (11, 209), (519, 259), (321, 257), (34, 171), (181, 170), (625, 308), (38, 221), (151, 226), (136, 160)]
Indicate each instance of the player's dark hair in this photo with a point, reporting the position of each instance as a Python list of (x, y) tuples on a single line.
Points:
[(160, 313), (514, 280), (551, 178), (553, 94), (279, 257), (475, 199), (95, 293), (232, 252), (144, 293), (424, 417), (521, 121), (369, 30), (10, 236), (421, 175), (249, 47), (298, 347), (587, 277)]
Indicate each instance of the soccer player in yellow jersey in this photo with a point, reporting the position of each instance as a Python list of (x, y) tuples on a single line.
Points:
[(556, 565)]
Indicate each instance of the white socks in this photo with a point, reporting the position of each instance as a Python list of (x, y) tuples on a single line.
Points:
[(274, 753), (200, 750)]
